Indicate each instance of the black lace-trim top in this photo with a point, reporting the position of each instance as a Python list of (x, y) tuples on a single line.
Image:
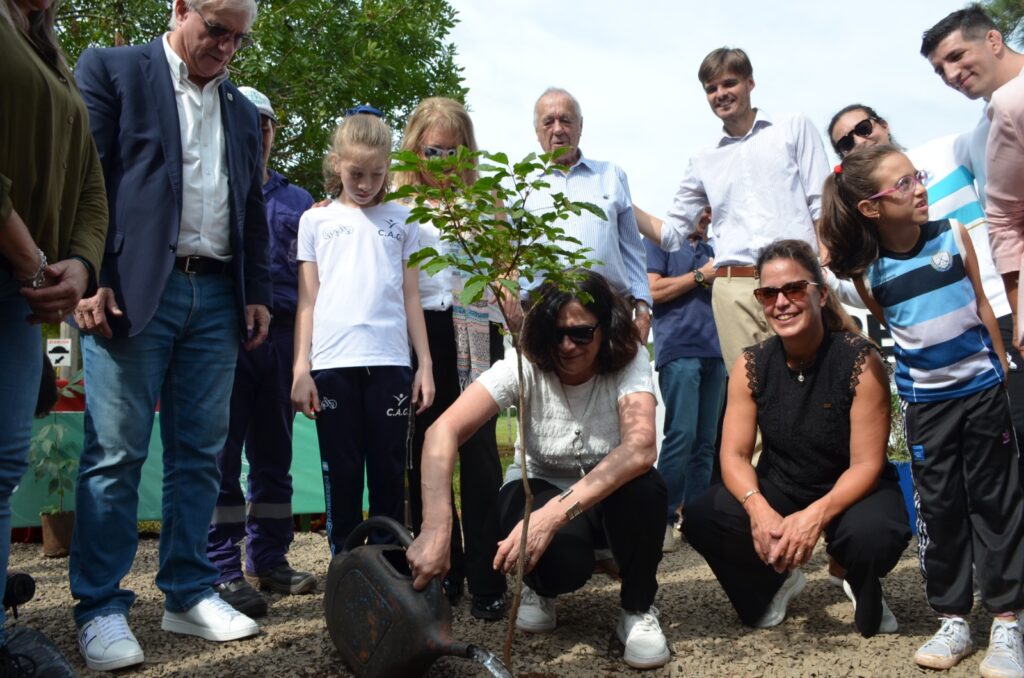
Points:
[(805, 426)]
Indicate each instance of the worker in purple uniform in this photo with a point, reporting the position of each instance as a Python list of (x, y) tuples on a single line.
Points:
[(261, 419)]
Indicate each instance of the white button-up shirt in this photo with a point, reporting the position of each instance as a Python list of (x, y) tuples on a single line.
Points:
[(616, 240), (763, 186), (205, 211)]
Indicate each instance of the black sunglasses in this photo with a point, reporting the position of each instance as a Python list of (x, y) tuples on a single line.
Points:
[(794, 291), (581, 335), (218, 32), (438, 152), (862, 129)]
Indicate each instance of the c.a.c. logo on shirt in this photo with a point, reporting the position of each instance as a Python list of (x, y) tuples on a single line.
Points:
[(942, 261), (391, 233)]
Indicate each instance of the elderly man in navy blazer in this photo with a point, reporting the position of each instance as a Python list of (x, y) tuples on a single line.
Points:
[(185, 274)]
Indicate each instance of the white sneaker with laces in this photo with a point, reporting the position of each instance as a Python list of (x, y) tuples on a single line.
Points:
[(211, 618), (776, 611), (107, 643), (888, 623), (640, 632), (1005, 656), (536, 613), (950, 644)]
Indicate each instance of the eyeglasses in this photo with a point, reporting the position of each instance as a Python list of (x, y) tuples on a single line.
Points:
[(438, 152), (581, 335), (794, 291), (862, 129), (218, 32), (905, 185)]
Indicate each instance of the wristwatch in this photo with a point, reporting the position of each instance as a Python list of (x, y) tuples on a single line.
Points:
[(699, 278)]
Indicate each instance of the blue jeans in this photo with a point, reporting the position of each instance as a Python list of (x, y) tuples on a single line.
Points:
[(185, 359), (21, 364), (693, 390)]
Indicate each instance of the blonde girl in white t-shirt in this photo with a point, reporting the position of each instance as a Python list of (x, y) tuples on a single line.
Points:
[(358, 312)]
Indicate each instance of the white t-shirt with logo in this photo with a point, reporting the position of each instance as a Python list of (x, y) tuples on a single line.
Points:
[(359, 317)]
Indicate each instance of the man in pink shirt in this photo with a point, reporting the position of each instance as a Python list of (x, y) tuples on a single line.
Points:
[(968, 53)]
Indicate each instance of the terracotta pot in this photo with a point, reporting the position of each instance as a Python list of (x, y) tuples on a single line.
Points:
[(57, 529)]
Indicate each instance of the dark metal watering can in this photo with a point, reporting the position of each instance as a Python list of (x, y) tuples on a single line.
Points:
[(380, 624)]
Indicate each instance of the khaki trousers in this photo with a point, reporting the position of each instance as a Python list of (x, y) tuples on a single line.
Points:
[(740, 321)]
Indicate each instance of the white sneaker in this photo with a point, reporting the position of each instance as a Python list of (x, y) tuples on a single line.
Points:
[(536, 613), (640, 632), (211, 618), (1005, 656), (671, 541), (776, 611), (888, 623), (107, 643), (950, 644)]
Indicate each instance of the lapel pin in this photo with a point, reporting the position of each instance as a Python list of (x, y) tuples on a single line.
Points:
[(230, 97)]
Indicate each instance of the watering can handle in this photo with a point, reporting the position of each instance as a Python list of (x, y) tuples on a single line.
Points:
[(358, 536)]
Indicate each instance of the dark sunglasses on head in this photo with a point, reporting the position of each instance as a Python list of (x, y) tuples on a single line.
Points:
[(581, 335), (218, 32), (794, 291), (438, 152), (862, 129)]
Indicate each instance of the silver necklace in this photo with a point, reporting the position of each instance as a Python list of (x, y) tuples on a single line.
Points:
[(577, 440)]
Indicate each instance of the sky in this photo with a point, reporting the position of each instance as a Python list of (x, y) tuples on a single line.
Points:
[(633, 67)]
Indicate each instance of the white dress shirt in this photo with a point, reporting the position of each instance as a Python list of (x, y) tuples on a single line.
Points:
[(616, 240), (205, 211), (763, 186)]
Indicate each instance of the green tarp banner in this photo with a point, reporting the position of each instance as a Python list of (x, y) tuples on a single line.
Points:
[(307, 479)]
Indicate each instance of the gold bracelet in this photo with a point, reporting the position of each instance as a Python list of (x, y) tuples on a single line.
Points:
[(573, 511), (748, 495)]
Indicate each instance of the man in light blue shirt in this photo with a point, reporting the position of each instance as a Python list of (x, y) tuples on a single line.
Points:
[(615, 241)]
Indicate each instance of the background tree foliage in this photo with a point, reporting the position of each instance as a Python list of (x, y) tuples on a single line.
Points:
[(313, 58), (1009, 16)]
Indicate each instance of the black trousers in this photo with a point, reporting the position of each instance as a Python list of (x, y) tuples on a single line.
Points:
[(362, 424), (867, 539), (472, 549), (966, 470), (630, 521)]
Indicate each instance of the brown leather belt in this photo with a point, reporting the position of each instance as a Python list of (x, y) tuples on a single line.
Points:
[(736, 272), (201, 265)]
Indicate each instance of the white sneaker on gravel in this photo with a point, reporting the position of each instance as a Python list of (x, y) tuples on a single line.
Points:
[(671, 541), (888, 623), (211, 618), (1005, 656), (536, 613), (107, 643), (641, 634), (776, 612), (950, 644)]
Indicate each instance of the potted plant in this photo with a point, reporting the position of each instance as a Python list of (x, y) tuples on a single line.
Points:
[(55, 463), (899, 455)]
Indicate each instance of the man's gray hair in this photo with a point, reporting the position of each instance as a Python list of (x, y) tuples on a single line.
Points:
[(557, 90), (248, 6)]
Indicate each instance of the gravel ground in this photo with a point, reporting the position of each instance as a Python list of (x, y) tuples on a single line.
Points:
[(705, 636)]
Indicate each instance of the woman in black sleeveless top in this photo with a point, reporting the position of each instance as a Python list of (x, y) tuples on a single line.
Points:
[(820, 396)]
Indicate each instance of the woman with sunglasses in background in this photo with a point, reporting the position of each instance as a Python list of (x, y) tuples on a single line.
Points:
[(819, 394), (920, 278), (589, 439), (464, 341)]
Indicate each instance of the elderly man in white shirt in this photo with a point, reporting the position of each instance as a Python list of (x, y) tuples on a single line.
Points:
[(614, 241), (763, 182)]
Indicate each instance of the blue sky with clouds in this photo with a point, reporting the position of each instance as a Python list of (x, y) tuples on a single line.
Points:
[(633, 67)]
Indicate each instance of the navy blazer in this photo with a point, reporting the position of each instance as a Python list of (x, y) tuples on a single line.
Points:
[(134, 119)]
